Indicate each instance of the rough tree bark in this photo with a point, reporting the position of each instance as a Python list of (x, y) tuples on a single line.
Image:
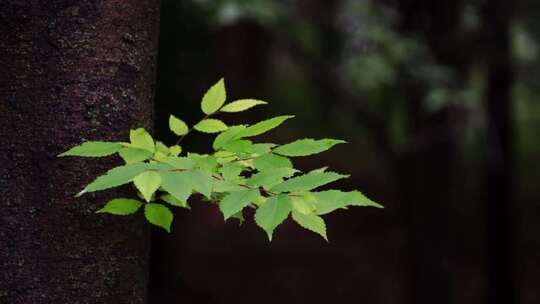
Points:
[(73, 70)]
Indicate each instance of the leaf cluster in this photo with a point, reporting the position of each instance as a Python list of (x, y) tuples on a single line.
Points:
[(238, 174)]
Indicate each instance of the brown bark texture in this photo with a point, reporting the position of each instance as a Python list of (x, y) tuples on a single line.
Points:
[(72, 70)]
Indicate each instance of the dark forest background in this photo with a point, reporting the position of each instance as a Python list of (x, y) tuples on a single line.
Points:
[(439, 103)]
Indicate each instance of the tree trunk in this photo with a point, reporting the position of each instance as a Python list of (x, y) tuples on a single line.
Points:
[(73, 70), (498, 166)]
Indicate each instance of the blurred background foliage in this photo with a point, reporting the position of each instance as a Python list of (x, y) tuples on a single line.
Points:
[(439, 103)]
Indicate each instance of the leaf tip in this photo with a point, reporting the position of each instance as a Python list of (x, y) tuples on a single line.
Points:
[(83, 191), (377, 205)]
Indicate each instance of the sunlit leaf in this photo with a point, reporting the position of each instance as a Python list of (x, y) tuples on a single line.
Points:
[(230, 171), (271, 161), (306, 203), (132, 155), (304, 147), (263, 126), (159, 215), (201, 181), (93, 149), (141, 139), (311, 222), (236, 201), (177, 184), (222, 186), (330, 200), (227, 136), (119, 176), (272, 213), (307, 181), (170, 199), (205, 162), (177, 126), (121, 206), (238, 146), (147, 183), (270, 177), (162, 148), (214, 98), (262, 148), (210, 125), (175, 150), (179, 162), (241, 105)]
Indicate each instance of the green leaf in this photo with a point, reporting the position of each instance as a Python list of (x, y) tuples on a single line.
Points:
[(272, 213), (175, 150), (263, 126), (161, 148), (230, 171), (224, 157), (177, 126), (158, 157), (236, 201), (311, 222), (177, 183), (205, 162), (238, 146), (132, 155), (262, 148), (118, 176), (147, 183), (183, 163), (141, 139), (330, 200), (159, 215), (270, 177), (227, 136), (357, 198), (304, 147), (241, 105), (221, 186), (201, 181), (260, 200), (307, 181), (306, 204), (210, 125), (170, 199), (271, 161), (121, 206), (93, 149), (214, 98)]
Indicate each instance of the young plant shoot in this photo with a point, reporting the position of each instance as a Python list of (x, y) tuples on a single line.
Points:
[(238, 174)]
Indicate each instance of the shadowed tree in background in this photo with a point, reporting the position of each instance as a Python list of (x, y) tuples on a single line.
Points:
[(499, 159), (72, 71), (430, 155), (426, 164)]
